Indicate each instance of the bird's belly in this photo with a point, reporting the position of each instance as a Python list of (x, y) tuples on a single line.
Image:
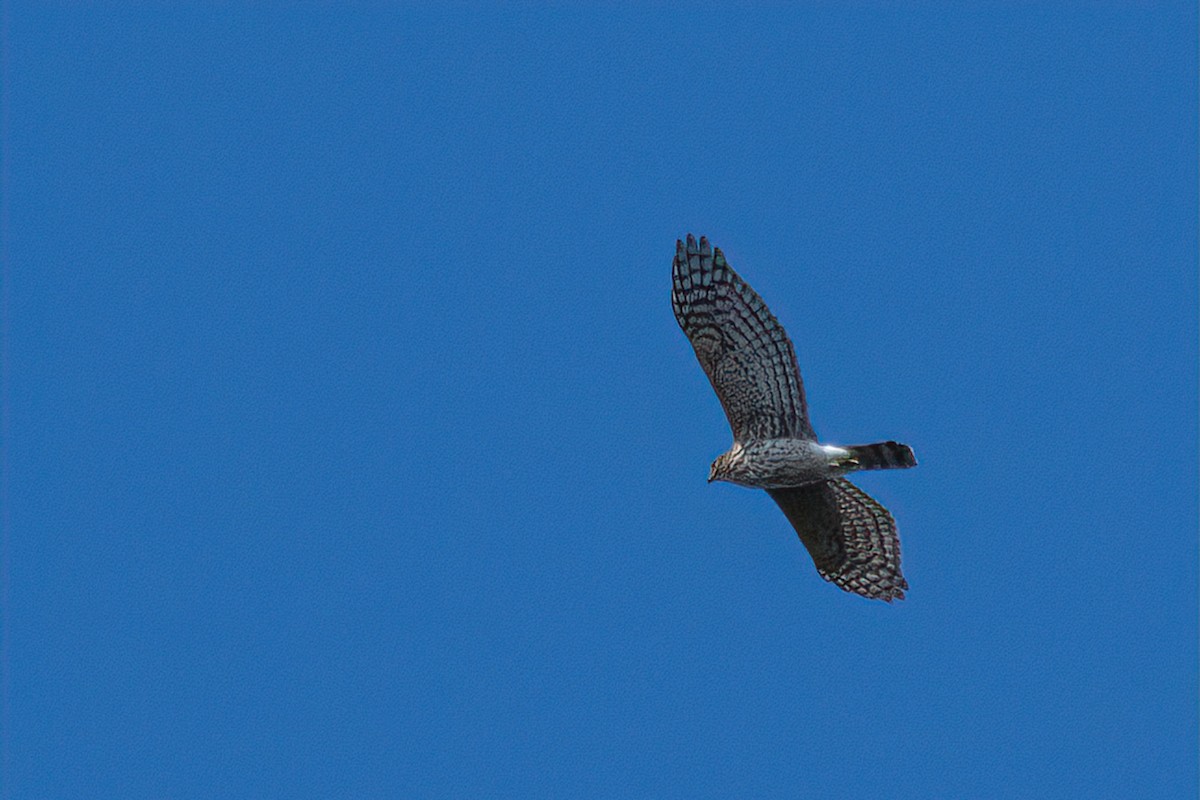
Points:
[(781, 463)]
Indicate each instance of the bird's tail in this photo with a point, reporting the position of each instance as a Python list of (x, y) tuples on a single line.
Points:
[(883, 455)]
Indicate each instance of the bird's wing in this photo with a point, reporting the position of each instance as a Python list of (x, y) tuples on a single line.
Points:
[(743, 349), (851, 538)]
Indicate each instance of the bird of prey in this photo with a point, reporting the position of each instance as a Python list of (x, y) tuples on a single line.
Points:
[(751, 364)]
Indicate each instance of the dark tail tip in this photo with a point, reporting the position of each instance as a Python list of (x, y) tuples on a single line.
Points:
[(884, 455)]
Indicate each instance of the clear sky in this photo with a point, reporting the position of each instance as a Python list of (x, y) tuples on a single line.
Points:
[(352, 448)]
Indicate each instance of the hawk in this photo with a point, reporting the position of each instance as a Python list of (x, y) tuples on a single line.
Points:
[(751, 364)]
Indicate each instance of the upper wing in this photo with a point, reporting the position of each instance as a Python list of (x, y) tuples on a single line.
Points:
[(743, 349), (851, 538)]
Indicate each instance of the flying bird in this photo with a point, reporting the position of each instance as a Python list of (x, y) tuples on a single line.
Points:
[(751, 364)]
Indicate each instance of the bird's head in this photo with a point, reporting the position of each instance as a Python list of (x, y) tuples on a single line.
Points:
[(725, 464)]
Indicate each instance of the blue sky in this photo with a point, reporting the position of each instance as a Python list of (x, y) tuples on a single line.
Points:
[(352, 449)]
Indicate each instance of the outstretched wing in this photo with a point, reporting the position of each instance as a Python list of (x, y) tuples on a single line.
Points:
[(743, 349), (851, 538)]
